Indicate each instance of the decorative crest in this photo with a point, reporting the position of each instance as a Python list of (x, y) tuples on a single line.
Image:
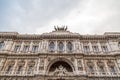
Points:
[(63, 28)]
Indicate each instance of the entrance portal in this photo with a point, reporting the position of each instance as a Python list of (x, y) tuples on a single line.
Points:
[(60, 68)]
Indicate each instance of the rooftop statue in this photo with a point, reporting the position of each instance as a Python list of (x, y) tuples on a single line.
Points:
[(63, 28)]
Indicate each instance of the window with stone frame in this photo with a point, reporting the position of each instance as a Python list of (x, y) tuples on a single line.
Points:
[(95, 48), (60, 46), (112, 69), (9, 68), (35, 49), (30, 69), (104, 48), (111, 66), (19, 70), (86, 49), (17, 48), (90, 65), (69, 46), (26, 48), (2, 45), (51, 46), (91, 69)]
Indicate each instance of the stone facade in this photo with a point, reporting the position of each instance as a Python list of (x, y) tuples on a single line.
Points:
[(59, 55)]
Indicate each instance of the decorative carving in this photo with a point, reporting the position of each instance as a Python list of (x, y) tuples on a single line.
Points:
[(61, 71), (79, 65), (64, 28)]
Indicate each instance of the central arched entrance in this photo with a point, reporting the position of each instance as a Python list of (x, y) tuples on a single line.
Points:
[(60, 65), (59, 68)]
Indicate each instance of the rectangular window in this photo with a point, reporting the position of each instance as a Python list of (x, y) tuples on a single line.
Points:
[(86, 49), (19, 69), (9, 68), (35, 49), (1, 45), (112, 69), (95, 48), (26, 48), (17, 48), (30, 68), (104, 48)]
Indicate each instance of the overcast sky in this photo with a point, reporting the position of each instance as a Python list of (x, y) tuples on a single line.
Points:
[(39, 16)]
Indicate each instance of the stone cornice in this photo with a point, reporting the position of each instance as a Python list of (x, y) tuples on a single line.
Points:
[(58, 35)]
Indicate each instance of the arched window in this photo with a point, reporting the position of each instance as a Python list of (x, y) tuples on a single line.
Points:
[(69, 46), (1, 45), (52, 46), (60, 46)]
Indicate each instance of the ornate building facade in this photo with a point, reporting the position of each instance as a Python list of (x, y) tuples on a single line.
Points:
[(59, 55)]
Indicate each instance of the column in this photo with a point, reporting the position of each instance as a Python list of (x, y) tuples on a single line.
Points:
[(56, 46), (117, 68), (25, 67), (90, 45), (10, 43), (74, 46), (47, 45), (14, 67), (76, 67), (45, 66), (107, 68), (13, 47), (38, 66), (108, 46), (22, 46), (30, 48), (96, 68), (82, 48), (83, 65), (5, 46), (99, 46), (116, 47), (39, 48), (35, 67), (65, 44), (2, 64)]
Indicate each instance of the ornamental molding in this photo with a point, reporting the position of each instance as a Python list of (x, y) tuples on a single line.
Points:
[(58, 33)]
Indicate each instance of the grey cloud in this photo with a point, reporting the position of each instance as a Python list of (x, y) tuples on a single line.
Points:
[(83, 16), (29, 15)]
